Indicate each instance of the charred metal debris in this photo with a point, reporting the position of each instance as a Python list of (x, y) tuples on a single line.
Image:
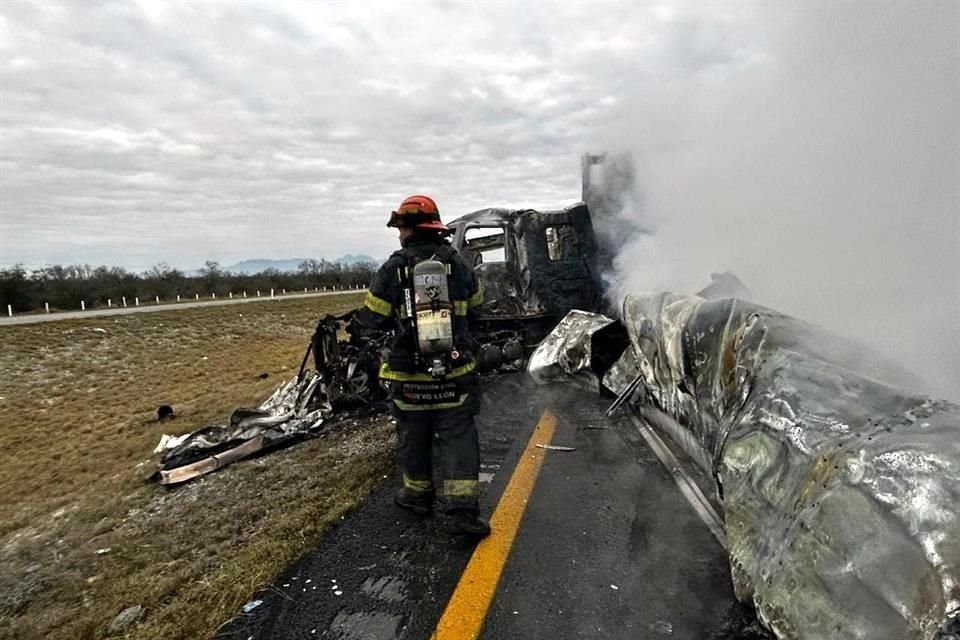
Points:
[(342, 384), (534, 267)]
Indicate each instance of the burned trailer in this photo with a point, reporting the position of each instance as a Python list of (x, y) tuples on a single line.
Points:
[(837, 481), (534, 267)]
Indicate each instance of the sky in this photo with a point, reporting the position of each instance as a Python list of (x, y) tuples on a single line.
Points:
[(812, 148)]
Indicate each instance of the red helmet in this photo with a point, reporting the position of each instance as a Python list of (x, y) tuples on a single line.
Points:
[(420, 212)]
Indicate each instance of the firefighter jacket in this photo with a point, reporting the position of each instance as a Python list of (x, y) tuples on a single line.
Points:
[(413, 387)]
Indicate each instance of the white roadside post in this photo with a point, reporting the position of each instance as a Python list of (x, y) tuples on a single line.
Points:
[(109, 303), (157, 298), (83, 305), (284, 291), (46, 307), (178, 297), (196, 296), (271, 293), (124, 298), (213, 296), (244, 294), (258, 293), (10, 310), (136, 301), (231, 295)]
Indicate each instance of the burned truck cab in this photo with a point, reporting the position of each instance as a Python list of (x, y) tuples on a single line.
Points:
[(534, 267)]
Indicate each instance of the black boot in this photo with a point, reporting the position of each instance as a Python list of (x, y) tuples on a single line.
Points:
[(421, 503), (467, 522)]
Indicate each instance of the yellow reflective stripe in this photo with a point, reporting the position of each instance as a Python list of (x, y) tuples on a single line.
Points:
[(418, 486), (378, 305), (461, 488), (476, 299), (406, 406), (460, 307), (386, 373)]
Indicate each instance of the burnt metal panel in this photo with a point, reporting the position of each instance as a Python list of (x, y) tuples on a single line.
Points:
[(535, 281)]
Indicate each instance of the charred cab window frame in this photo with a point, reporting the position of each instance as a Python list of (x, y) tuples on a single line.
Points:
[(492, 231), (557, 249)]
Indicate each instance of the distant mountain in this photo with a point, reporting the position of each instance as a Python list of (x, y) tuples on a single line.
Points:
[(262, 264), (354, 259), (258, 265)]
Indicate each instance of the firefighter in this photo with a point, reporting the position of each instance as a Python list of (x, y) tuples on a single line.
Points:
[(424, 292)]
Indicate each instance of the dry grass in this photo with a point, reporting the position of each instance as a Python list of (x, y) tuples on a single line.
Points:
[(76, 423)]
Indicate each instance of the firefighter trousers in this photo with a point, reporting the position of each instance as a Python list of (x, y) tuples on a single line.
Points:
[(452, 435)]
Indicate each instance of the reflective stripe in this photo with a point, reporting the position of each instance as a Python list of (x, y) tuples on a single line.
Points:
[(476, 299), (461, 488), (406, 406), (386, 373), (378, 305), (417, 486), (460, 307)]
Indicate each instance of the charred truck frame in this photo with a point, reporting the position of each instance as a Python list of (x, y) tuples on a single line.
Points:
[(534, 266)]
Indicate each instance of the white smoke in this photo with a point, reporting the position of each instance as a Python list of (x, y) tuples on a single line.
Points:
[(818, 159)]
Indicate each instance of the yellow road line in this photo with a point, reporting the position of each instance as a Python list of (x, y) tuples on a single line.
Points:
[(465, 613)]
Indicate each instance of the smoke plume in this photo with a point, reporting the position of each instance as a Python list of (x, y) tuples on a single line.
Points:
[(815, 154)]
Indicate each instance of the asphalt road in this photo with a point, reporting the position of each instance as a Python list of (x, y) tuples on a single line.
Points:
[(607, 547), (147, 308)]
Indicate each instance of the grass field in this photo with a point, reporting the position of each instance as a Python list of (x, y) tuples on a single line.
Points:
[(83, 535)]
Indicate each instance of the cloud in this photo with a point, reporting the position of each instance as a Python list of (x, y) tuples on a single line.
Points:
[(810, 147), (266, 126)]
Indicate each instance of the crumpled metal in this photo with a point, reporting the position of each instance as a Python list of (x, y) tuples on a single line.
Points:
[(566, 351), (840, 486), (839, 483), (283, 417)]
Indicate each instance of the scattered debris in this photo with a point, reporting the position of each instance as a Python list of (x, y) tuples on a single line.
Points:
[(250, 606), (264, 375), (99, 330), (103, 552), (165, 412), (127, 618), (344, 384), (554, 447)]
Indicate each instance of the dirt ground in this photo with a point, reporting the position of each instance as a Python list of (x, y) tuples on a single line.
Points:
[(84, 536)]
